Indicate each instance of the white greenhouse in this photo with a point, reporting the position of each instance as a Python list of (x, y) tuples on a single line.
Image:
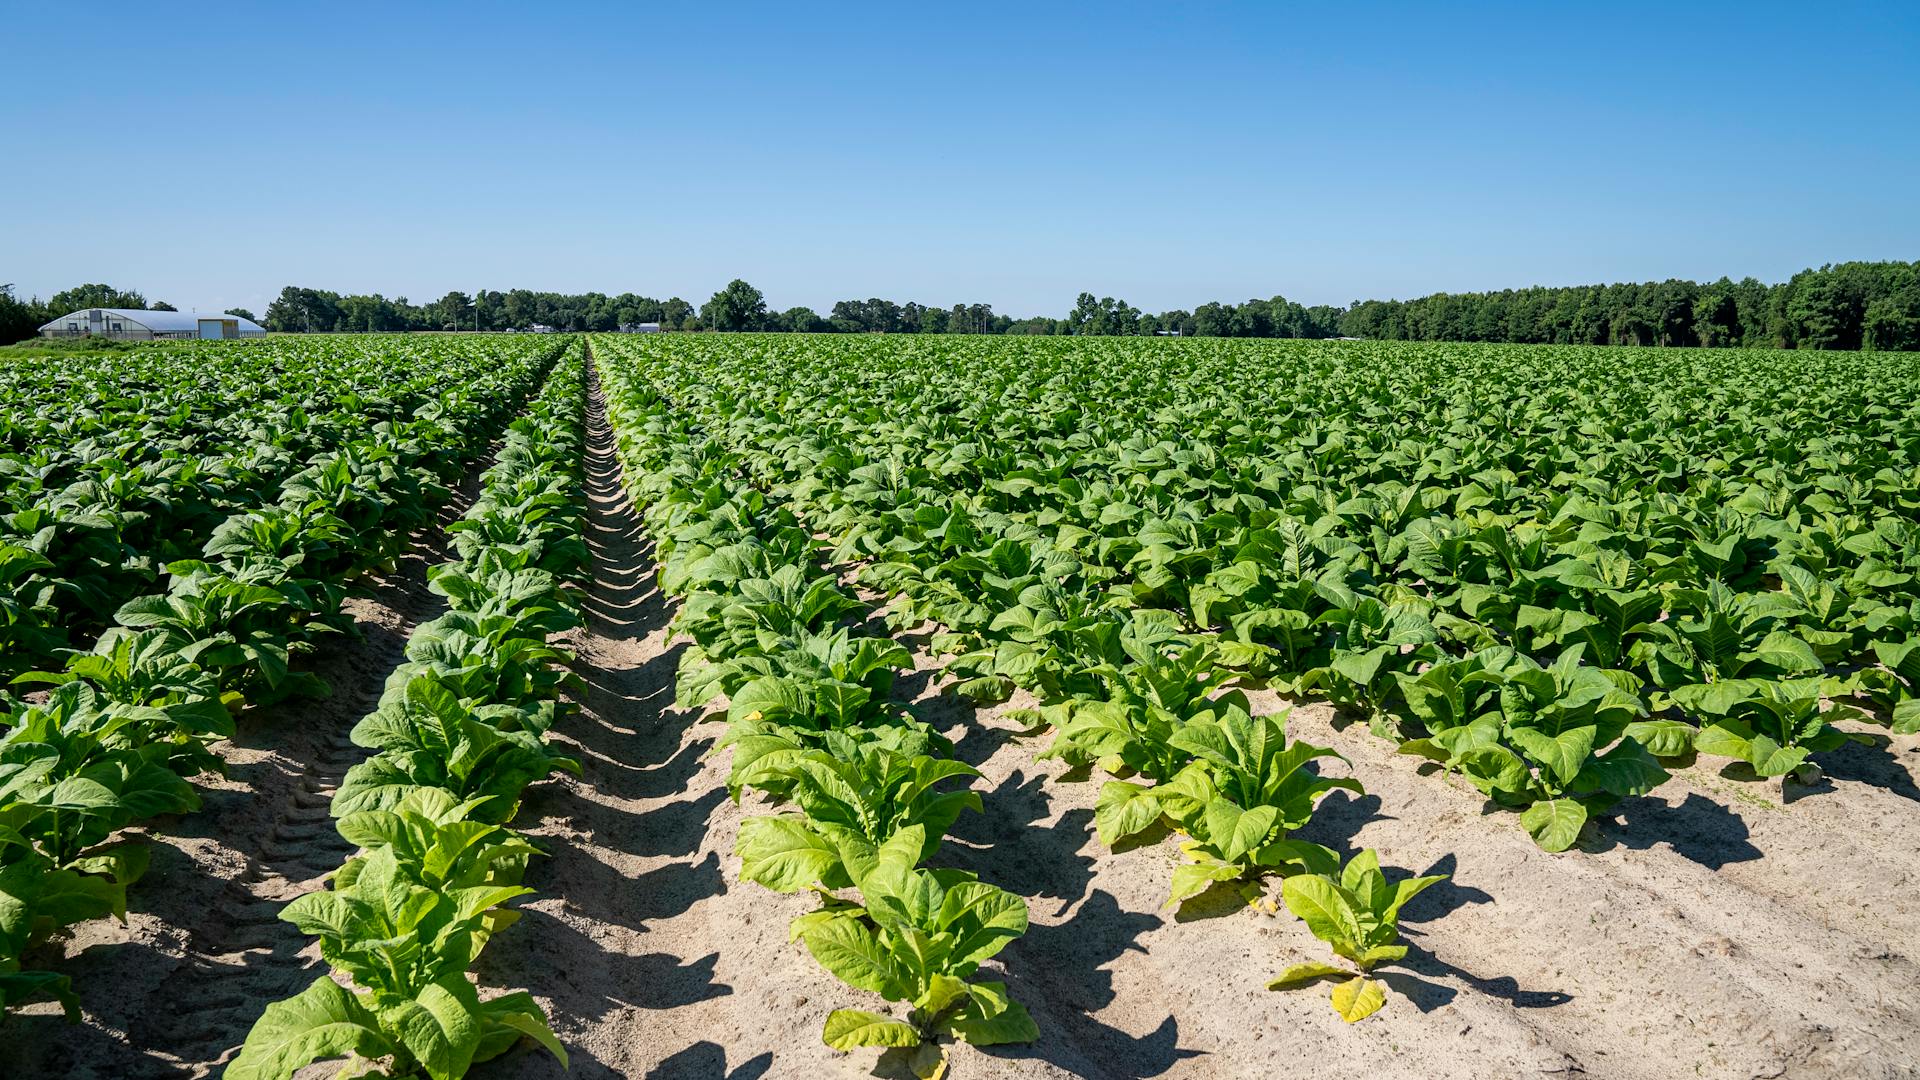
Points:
[(129, 324)]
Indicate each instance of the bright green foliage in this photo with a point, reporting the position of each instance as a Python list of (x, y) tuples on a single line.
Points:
[(1771, 725), (1242, 789), (1523, 563), (1346, 520), (1245, 790), (193, 538), (1559, 741), (917, 936), (1357, 913), (850, 804), (440, 1031)]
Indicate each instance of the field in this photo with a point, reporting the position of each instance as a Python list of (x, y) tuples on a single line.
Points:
[(774, 705)]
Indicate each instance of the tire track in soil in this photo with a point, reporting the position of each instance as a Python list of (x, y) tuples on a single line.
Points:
[(173, 993)]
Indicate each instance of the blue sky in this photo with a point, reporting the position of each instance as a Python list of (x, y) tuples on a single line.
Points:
[(1013, 154)]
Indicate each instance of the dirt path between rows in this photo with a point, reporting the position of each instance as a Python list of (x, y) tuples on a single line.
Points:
[(1712, 931), (173, 993)]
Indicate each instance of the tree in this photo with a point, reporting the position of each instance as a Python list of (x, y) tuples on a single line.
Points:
[(737, 307), (299, 310), (1716, 316), (160, 305), (21, 319), (802, 320), (1211, 320), (453, 312), (677, 314), (1893, 321), (243, 313), (93, 296)]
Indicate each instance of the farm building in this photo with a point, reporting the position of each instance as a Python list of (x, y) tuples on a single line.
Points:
[(128, 324)]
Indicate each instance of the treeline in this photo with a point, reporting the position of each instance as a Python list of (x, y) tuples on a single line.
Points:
[(1855, 305), (1842, 306), (298, 310)]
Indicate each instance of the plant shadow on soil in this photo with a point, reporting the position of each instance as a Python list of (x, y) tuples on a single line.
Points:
[(1873, 762), (1060, 972), (1697, 829), (709, 1059)]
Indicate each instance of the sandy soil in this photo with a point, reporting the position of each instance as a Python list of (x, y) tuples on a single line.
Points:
[(1715, 929), (174, 991)]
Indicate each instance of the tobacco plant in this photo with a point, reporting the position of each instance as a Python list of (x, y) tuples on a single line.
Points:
[(1357, 913), (918, 936)]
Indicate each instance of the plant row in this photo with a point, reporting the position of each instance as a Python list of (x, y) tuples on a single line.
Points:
[(1557, 579), (113, 468), (125, 725), (459, 734), (868, 789)]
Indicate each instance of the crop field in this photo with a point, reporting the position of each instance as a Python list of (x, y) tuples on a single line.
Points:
[(740, 706)]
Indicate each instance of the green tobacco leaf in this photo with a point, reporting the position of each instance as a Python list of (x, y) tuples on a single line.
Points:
[(1563, 754), (323, 1021), (1726, 740), (1906, 717), (992, 1018), (855, 956), (1123, 810), (1627, 769), (782, 853), (20, 986), (1769, 758), (1328, 911), (441, 1027), (1380, 954), (849, 1028), (1662, 738), (1554, 824), (518, 1012), (1192, 879), (942, 991)]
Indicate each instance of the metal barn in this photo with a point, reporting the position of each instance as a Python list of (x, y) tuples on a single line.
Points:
[(129, 324)]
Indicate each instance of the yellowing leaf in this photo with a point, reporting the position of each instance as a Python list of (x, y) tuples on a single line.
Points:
[(1358, 998)]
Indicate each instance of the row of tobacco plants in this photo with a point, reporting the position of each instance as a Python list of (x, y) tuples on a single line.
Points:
[(1127, 688), (1557, 572), (459, 734), (865, 791), (112, 735)]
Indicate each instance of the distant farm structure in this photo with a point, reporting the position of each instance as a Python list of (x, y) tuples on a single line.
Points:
[(132, 324)]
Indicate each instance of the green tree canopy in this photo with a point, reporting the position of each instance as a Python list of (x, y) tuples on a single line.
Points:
[(93, 296), (739, 306)]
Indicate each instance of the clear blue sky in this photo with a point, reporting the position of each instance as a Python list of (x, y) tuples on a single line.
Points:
[(1013, 154)]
